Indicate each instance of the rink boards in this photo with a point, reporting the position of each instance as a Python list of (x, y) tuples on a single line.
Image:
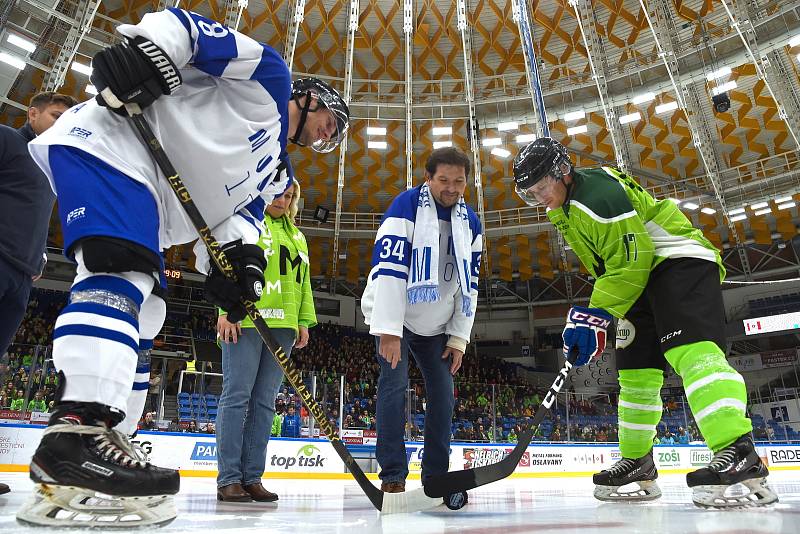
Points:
[(196, 455)]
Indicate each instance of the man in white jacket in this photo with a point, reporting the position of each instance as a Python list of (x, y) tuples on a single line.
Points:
[(420, 298)]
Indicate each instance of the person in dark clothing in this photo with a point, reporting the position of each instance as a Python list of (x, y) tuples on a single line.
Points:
[(26, 201)]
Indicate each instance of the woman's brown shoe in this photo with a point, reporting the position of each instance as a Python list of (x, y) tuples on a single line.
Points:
[(259, 493), (233, 493), (393, 487)]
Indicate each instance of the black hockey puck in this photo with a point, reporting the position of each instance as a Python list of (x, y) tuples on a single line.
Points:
[(456, 501)]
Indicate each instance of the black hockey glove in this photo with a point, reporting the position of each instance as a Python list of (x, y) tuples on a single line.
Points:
[(136, 72), (248, 263)]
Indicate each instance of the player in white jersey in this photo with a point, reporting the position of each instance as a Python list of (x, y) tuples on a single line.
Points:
[(224, 107)]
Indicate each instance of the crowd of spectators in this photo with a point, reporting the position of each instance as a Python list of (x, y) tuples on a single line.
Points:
[(493, 402)]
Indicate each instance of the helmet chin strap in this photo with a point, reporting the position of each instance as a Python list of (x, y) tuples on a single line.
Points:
[(305, 109)]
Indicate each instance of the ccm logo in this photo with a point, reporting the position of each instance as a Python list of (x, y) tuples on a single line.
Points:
[(676, 333), (591, 319)]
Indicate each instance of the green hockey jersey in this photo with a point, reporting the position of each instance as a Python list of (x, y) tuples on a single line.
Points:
[(621, 233)]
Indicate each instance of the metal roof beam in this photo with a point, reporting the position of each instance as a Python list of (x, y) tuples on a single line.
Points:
[(352, 27), (84, 15), (466, 48), (662, 26), (599, 65)]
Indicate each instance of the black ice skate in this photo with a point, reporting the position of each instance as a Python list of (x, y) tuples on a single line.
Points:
[(641, 472), (736, 464), (87, 474)]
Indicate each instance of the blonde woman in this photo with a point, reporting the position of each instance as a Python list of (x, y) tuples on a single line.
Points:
[(250, 375)]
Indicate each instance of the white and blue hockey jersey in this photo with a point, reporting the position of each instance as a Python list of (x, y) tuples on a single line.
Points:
[(225, 130), (384, 301)]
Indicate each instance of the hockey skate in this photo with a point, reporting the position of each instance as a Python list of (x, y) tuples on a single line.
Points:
[(641, 472), (736, 464), (88, 475)]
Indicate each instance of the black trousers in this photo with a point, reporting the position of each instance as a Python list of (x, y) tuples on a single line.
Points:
[(15, 288)]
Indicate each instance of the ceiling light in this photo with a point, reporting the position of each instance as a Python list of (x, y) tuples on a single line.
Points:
[(783, 199), (377, 144), (719, 73), (709, 211), (736, 211), (501, 152), (786, 205), (574, 115), (676, 201), (441, 144), (492, 141), (643, 98), (759, 205), (25, 44), (376, 130), (736, 218), (724, 88), (794, 41), (690, 206), (83, 69), (664, 108), (91, 89), (14, 61), (443, 130), (526, 138), (575, 130), (763, 212), (505, 126), (631, 117)]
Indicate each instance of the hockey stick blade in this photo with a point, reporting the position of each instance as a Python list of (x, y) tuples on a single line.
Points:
[(153, 145), (457, 481)]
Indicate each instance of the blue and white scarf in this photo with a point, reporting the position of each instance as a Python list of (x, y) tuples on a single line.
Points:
[(423, 276)]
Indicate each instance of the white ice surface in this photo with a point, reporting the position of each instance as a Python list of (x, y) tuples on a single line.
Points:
[(514, 506)]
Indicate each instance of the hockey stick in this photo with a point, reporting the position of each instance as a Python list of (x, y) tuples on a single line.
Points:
[(457, 481), (411, 501)]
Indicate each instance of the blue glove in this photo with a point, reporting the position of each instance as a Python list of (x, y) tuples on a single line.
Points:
[(586, 333)]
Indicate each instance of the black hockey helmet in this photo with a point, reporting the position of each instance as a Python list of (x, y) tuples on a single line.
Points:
[(540, 158), (328, 97)]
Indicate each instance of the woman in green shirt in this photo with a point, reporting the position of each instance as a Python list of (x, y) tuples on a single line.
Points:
[(250, 375)]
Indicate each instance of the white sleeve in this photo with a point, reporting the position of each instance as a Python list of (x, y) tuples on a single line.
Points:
[(384, 300), (247, 224), (189, 38)]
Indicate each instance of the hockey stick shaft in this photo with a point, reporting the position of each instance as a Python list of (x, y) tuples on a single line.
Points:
[(456, 481), (219, 258)]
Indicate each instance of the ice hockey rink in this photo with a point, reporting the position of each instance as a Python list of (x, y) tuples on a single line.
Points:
[(513, 506)]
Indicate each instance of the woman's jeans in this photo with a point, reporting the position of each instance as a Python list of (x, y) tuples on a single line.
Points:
[(391, 411), (250, 381)]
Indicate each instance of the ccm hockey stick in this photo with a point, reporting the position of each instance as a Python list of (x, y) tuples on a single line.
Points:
[(411, 501), (458, 481)]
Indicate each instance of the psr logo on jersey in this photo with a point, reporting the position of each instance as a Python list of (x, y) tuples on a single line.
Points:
[(79, 132), (77, 213)]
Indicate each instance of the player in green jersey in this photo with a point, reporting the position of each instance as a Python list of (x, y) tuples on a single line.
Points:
[(659, 277)]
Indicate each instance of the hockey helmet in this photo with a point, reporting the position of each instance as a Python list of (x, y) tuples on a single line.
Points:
[(540, 158), (328, 97)]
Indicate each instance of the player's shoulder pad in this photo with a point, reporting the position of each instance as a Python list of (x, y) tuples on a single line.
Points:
[(600, 195)]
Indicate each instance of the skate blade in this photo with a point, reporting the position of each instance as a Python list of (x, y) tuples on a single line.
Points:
[(71, 507), (648, 491), (714, 497)]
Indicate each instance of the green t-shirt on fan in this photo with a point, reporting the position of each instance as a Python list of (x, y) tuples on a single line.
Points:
[(287, 300)]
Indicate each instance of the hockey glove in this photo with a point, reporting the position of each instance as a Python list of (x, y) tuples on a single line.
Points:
[(248, 263), (135, 72), (586, 333)]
